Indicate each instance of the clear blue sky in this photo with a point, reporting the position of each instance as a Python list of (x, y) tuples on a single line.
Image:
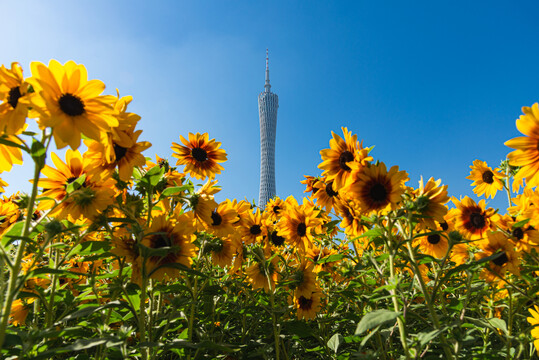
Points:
[(433, 85)]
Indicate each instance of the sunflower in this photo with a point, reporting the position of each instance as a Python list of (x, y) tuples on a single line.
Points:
[(274, 208), (262, 274), (10, 155), (124, 245), (433, 243), (472, 219), (351, 222), (178, 237), (14, 106), (534, 320), (298, 223), (524, 237), (526, 154), (509, 260), (307, 306), (319, 256), (326, 196), (460, 253), (9, 214), (252, 228), (199, 155), (431, 198), (222, 250), (88, 200), (222, 220), (126, 154), (309, 182), (343, 158), (70, 104), (378, 190), (172, 176), (485, 180), (19, 311), (304, 279)]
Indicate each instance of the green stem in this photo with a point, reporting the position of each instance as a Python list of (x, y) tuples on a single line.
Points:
[(12, 292), (432, 312), (393, 292)]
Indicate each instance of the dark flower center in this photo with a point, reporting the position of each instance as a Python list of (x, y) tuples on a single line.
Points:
[(345, 157), (488, 177), (378, 192), (477, 220), (276, 209), (255, 229), (304, 303), (13, 97), (160, 241), (434, 239), (329, 190), (71, 105), (501, 260), (119, 151), (518, 233), (301, 229), (199, 154), (276, 239), (217, 219), (444, 226)]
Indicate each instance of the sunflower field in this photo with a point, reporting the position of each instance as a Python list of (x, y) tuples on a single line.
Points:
[(113, 255)]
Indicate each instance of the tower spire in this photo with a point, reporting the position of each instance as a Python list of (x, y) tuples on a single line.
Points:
[(267, 86)]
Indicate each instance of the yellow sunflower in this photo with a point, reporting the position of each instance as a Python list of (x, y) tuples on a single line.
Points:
[(14, 106), (378, 190), (178, 236), (70, 104), (298, 223), (126, 154), (485, 180), (326, 196), (342, 158), (261, 275), (252, 228), (10, 155), (509, 260), (525, 237), (307, 306), (534, 320), (223, 250), (526, 154), (431, 198), (222, 220), (304, 279), (9, 214), (434, 244), (472, 219), (199, 155), (274, 208)]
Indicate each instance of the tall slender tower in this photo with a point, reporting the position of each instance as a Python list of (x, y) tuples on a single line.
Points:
[(268, 103)]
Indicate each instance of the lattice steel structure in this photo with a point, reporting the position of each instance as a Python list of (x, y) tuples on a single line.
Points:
[(268, 103)]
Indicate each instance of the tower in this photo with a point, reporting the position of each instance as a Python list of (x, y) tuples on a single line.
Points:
[(268, 103)]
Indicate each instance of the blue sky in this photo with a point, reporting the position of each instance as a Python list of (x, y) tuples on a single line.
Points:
[(433, 85)]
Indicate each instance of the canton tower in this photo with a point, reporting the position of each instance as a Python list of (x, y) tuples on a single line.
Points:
[(268, 103)]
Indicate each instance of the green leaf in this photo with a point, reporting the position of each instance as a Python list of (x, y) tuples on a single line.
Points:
[(520, 223), (76, 184), (335, 341), (374, 319), (174, 190), (330, 258), (92, 248), (372, 233), (38, 152), (425, 337), (498, 324)]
